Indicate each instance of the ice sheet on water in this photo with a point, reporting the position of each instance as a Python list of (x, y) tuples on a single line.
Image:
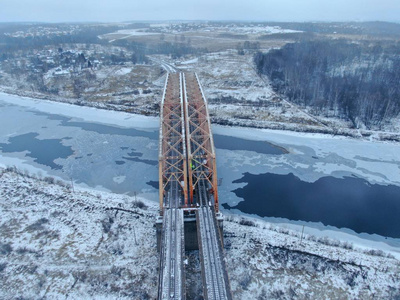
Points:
[(96, 152), (85, 113), (324, 155)]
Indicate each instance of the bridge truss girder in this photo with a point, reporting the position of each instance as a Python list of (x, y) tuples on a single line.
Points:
[(199, 139), (172, 148)]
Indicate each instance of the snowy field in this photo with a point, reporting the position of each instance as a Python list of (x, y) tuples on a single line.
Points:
[(57, 242), (125, 33), (259, 29), (238, 95), (102, 161)]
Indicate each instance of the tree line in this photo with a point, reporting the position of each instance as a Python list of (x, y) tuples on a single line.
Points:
[(357, 81), (85, 35)]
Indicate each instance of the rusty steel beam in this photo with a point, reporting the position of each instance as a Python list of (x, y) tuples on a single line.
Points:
[(199, 139), (172, 147)]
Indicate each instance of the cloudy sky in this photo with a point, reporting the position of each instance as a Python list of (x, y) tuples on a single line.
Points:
[(259, 10)]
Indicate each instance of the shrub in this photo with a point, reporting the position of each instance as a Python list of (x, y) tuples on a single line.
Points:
[(347, 245), (2, 267), (49, 180), (247, 222), (106, 223), (38, 224), (375, 252), (61, 183), (5, 249), (139, 204), (245, 281), (24, 250)]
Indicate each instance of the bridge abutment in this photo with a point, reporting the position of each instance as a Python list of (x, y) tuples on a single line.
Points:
[(190, 231)]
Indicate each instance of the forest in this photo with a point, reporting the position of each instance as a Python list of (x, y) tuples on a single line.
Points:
[(356, 81)]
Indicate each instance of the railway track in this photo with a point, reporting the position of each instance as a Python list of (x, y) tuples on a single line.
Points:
[(215, 279), (171, 284)]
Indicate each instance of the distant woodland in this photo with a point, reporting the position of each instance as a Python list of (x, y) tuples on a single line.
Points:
[(88, 34), (358, 81)]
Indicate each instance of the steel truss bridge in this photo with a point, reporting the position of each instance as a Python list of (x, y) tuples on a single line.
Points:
[(188, 187)]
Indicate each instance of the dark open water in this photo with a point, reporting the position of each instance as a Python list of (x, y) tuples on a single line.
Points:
[(342, 202)]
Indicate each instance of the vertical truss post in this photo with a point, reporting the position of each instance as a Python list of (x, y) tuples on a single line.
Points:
[(184, 162), (160, 149), (188, 138)]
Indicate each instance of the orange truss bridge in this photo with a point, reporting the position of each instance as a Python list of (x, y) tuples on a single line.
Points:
[(188, 190)]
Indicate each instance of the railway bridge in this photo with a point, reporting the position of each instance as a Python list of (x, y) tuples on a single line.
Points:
[(189, 211)]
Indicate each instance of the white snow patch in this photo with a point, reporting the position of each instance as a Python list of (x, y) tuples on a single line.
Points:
[(123, 71), (119, 179), (191, 61)]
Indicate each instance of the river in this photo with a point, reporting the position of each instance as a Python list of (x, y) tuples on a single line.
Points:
[(301, 178)]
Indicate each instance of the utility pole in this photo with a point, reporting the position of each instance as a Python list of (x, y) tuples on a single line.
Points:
[(134, 235), (301, 238), (72, 185)]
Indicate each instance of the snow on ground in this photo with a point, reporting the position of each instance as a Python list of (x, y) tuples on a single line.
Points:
[(126, 33), (124, 87), (238, 96), (190, 61), (123, 71), (259, 29), (225, 74), (132, 32), (57, 241), (268, 262)]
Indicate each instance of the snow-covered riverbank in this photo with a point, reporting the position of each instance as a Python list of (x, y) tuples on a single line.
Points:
[(87, 244), (57, 241)]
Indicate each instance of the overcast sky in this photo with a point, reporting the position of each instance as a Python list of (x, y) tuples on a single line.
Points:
[(259, 10)]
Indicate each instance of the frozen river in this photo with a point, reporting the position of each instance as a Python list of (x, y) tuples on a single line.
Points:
[(279, 176)]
